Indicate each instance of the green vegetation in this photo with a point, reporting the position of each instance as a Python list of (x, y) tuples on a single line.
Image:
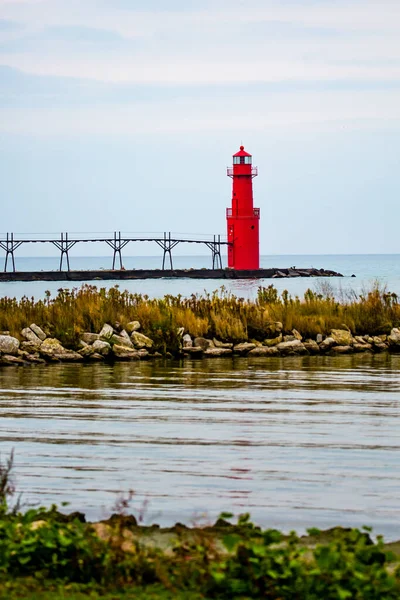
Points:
[(220, 314), (45, 554)]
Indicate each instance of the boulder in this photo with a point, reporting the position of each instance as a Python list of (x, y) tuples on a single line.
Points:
[(320, 338), (327, 344), (195, 351), (203, 343), (341, 350), (143, 353), (125, 353), (35, 358), (8, 344), (30, 347), (311, 346), (89, 338), (31, 336), (101, 347), (68, 356), (382, 347), (106, 332), (292, 347), (87, 351), (9, 359), (297, 335), (393, 338), (120, 340), (263, 351), (51, 346), (357, 347), (133, 326), (219, 344), (187, 341), (96, 357), (342, 337), (289, 338), (215, 352), (38, 331), (243, 348), (274, 341), (141, 341), (273, 329)]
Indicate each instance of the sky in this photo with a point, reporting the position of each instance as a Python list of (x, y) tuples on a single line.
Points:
[(123, 115)]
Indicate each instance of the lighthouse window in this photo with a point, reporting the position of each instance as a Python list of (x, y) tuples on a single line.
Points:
[(242, 160)]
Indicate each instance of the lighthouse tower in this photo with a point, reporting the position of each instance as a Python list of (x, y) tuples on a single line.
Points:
[(242, 218)]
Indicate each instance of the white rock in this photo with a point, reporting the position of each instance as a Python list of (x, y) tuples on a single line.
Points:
[(101, 347), (8, 344), (31, 336), (106, 332), (38, 331)]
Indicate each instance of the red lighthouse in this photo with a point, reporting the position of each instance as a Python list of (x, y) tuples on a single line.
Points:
[(242, 218)]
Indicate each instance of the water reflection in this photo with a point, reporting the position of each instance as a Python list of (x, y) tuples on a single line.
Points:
[(297, 441)]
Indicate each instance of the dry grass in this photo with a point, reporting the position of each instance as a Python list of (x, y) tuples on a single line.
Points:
[(221, 314)]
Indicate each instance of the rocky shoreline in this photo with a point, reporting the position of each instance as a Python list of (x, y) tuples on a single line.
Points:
[(114, 343)]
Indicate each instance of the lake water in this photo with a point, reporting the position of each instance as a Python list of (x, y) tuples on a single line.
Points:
[(368, 268), (298, 442)]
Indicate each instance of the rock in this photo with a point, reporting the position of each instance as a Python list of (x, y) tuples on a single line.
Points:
[(133, 326), (320, 338), (215, 352), (274, 341), (311, 346), (382, 347), (341, 350), (141, 341), (29, 335), (357, 347), (30, 347), (273, 329), (342, 337), (35, 358), (393, 338), (143, 353), (289, 338), (297, 335), (38, 331), (203, 343), (120, 340), (9, 359), (219, 344), (125, 353), (263, 351), (51, 346), (89, 338), (101, 347), (327, 344), (96, 357), (187, 341), (106, 332), (87, 351), (193, 351), (68, 356), (243, 348), (9, 344), (292, 347), (359, 339)]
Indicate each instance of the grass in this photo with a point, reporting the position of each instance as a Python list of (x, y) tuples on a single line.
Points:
[(221, 314)]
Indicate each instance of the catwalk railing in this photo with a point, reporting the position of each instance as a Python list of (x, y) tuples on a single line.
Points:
[(64, 242)]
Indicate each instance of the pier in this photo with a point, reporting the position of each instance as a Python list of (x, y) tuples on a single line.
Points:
[(117, 241)]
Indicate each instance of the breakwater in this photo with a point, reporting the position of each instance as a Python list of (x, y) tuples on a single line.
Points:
[(127, 274)]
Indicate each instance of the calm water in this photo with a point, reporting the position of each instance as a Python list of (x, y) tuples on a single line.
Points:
[(367, 268), (298, 442)]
